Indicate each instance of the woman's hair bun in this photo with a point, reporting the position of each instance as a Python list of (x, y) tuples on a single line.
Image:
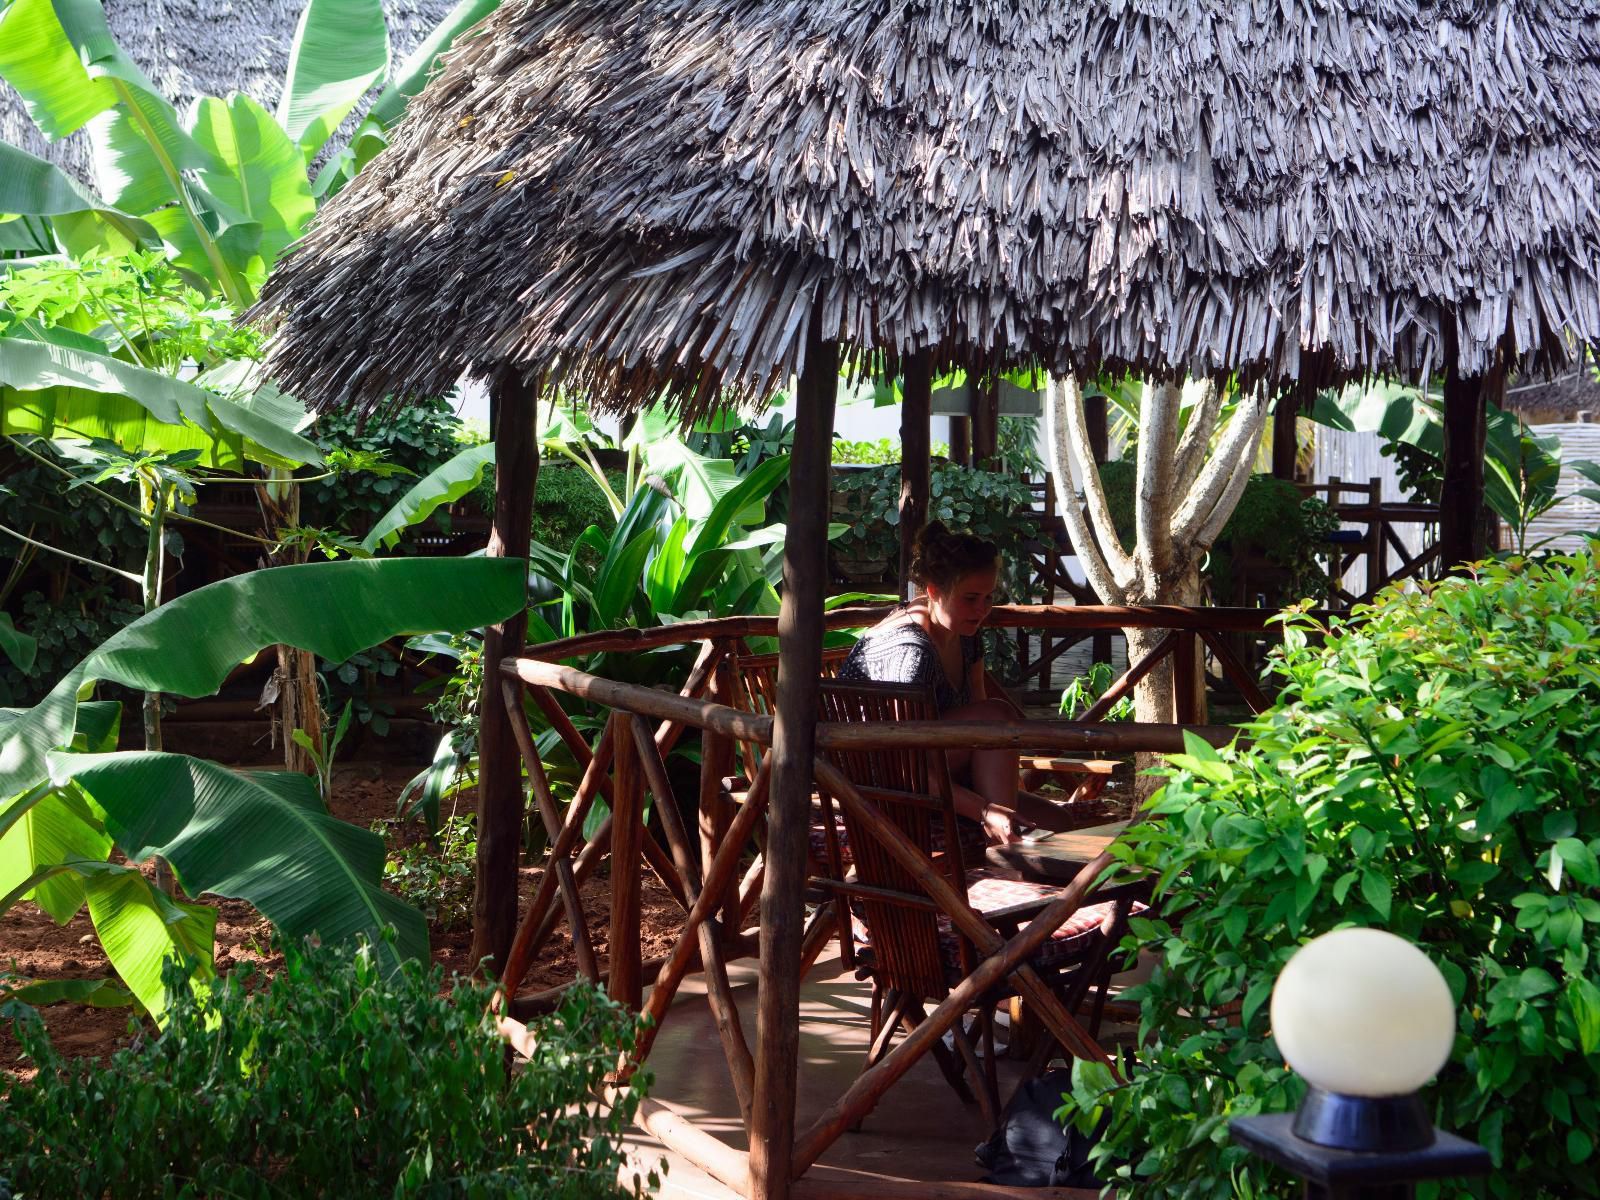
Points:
[(941, 556)]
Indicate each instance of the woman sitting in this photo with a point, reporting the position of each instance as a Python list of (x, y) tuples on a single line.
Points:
[(933, 641)]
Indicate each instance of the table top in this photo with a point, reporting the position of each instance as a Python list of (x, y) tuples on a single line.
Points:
[(1057, 857)]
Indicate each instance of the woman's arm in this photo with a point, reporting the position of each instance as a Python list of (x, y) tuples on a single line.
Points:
[(975, 682)]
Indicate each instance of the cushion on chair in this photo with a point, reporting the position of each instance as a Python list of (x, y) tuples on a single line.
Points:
[(990, 894)]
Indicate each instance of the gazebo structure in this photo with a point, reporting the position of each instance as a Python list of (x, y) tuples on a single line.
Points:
[(701, 201)]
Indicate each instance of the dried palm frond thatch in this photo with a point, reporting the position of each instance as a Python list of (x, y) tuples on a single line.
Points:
[(654, 194)]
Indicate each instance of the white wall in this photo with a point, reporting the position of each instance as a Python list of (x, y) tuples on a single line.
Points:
[(1571, 518)]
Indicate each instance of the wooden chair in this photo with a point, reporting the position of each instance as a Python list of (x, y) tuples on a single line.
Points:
[(910, 949)]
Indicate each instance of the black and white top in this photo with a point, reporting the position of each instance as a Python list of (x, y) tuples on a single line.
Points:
[(904, 653)]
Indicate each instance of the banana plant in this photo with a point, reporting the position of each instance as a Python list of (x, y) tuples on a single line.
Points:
[(223, 186), (264, 837)]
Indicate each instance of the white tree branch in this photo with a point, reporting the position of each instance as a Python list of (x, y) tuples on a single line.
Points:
[(1208, 533), (1117, 559), (1155, 494), (1197, 437), (1237, 445), (1062, 397)]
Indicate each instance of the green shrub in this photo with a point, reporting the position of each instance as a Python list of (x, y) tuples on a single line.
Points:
[(437, 879), (327, 1080), (1434, 770), (986, 503), (566, 502), (420, 437)]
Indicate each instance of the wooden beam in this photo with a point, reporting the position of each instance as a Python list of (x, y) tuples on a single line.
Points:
[(915, 463), (513, 417), (1463, 523), (961, 440), (800, 629)]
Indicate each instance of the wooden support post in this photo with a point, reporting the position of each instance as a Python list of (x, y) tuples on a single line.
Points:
[(716, 810), (1463, 527), (514, 423), (1377, 543), (793, 740), (915, 449), (1285, 439), (1187, 681), (961, 440), (627, 837), (985, 420), (1094, 418)]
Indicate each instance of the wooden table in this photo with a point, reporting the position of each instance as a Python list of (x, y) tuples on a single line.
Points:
[(1058, 857)]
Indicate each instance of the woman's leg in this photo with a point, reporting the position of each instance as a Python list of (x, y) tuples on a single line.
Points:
[(996, 794)]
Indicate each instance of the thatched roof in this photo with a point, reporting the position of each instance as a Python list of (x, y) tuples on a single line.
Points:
[(666, 192), (193, 48)]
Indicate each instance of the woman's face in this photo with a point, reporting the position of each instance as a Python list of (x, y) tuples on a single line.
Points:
[(963, 607)]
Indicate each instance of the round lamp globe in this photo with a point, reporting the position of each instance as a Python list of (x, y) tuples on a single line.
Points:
[(1361, 1012)]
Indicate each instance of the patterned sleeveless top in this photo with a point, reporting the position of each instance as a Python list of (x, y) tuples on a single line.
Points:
[(905, 653)]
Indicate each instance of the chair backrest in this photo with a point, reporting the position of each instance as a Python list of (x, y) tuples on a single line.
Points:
[(911, 788), (755, 689)]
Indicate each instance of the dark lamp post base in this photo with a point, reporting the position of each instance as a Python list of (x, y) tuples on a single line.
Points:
[(1382, 1124)]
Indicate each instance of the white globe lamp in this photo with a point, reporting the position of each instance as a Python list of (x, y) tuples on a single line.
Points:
[(1366, 1019)]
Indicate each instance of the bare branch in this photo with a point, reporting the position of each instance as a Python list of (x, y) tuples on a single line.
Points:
[(1155, 494), (1061, 398), (1117, 559), (1226, 503), (1236, 450), (1197, 438)]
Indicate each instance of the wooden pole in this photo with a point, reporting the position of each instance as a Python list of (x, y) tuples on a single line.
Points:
[(513, 417), (961, 440), (1285, 440), (915, 466), (1094, 417), (793, 741), (1463, 530), (627, 831), (985, 420)]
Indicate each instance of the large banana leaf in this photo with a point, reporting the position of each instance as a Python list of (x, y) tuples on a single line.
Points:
[(341, 48), (140, 929), (451, 481), (263, 837), (189, 645), (40, 829), (39, 60), (31, 187), (54, 390), (259, 172)]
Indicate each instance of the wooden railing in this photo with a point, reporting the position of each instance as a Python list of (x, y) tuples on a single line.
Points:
[(718, 897)]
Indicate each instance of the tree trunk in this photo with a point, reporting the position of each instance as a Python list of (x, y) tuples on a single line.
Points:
[(1285, 438), (298, 702)]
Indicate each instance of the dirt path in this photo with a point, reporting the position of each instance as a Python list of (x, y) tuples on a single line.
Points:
[(34, 946)]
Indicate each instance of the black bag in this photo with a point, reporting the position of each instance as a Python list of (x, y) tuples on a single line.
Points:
[(1031, 1149)]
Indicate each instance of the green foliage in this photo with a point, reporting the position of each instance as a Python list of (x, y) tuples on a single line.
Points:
[(335, 1079), (1082, 693), (412, 440), (65, 633), (435, 876), (987, 503), (566, 501), (1431, 771)]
